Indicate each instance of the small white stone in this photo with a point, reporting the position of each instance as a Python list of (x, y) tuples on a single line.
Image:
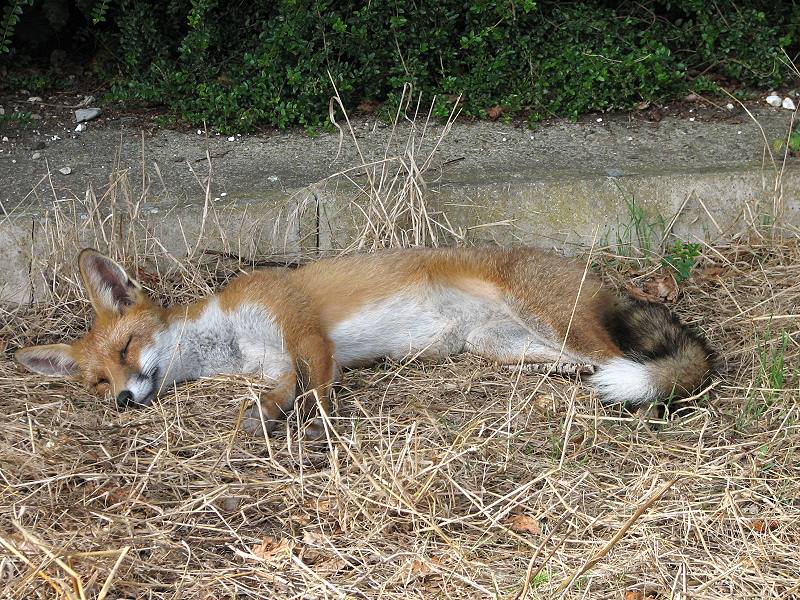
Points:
[(55, 137), (65, 170), (599, 120), (36, 156), (273, 178), (788, 104), (80, 127), (739, 132), (34, 99), (691, 118), (216, 199), (231, 139), (630, 139), (14, 160), (199, 132), (774, 100), (729, 106), (504, 139), (223, 194), (5, 138)]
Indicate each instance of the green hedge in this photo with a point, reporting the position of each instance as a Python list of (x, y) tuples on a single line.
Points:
[(240, 65)]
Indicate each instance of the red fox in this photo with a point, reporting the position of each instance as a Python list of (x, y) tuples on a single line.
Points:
[(302, 326)]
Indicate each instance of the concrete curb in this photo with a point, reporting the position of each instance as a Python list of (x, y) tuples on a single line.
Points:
[(279, 200)]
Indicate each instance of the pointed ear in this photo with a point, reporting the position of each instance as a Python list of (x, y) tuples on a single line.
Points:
[(55, 360), (109, 287)]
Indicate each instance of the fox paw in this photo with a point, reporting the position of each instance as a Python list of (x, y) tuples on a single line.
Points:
[(314, 431), (255, 422)]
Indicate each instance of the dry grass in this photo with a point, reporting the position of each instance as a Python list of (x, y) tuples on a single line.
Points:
[(438, 481)]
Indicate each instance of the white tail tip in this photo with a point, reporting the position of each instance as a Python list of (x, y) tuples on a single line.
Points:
[(626, 381)]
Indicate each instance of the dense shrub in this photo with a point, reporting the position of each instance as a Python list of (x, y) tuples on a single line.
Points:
[(244, 64)]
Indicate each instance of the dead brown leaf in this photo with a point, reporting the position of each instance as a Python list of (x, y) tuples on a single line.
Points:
[(269, 548), (709, 274), (368, 106), (495, 112), (764, 525), (421, 569), (524, 524), (640, 595), (657, 290), (654, 114), (665, 288), (544, 403), (635, 292)]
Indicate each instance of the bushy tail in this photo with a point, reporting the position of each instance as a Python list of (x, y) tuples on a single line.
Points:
[(664, 359)]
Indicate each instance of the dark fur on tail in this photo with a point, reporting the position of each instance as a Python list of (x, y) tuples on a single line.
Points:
[(679, 360)]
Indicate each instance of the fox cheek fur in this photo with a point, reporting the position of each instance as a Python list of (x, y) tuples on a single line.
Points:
[(300, 327)]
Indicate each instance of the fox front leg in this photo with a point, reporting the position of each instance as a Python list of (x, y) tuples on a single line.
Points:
[(315, 373), (317, 370)]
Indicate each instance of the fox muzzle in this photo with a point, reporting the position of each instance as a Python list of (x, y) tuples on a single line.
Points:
[(125, 399)]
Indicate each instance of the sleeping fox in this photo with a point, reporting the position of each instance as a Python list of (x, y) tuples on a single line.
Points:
[(302, 326)]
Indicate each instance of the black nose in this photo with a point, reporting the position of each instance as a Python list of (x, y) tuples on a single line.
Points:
[(124, 398)]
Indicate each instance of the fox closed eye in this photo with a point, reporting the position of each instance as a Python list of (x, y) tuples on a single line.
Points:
[(123, 354)]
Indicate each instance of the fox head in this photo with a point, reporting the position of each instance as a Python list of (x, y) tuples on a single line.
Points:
[(118, 355)]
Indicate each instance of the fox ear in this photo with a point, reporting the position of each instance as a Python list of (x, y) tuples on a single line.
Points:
[(54, 360), (109, 287)]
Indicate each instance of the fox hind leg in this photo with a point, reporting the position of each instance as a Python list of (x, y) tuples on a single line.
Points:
[(509, 342)]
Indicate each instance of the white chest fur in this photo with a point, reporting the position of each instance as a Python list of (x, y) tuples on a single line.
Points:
[(243, 340)]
